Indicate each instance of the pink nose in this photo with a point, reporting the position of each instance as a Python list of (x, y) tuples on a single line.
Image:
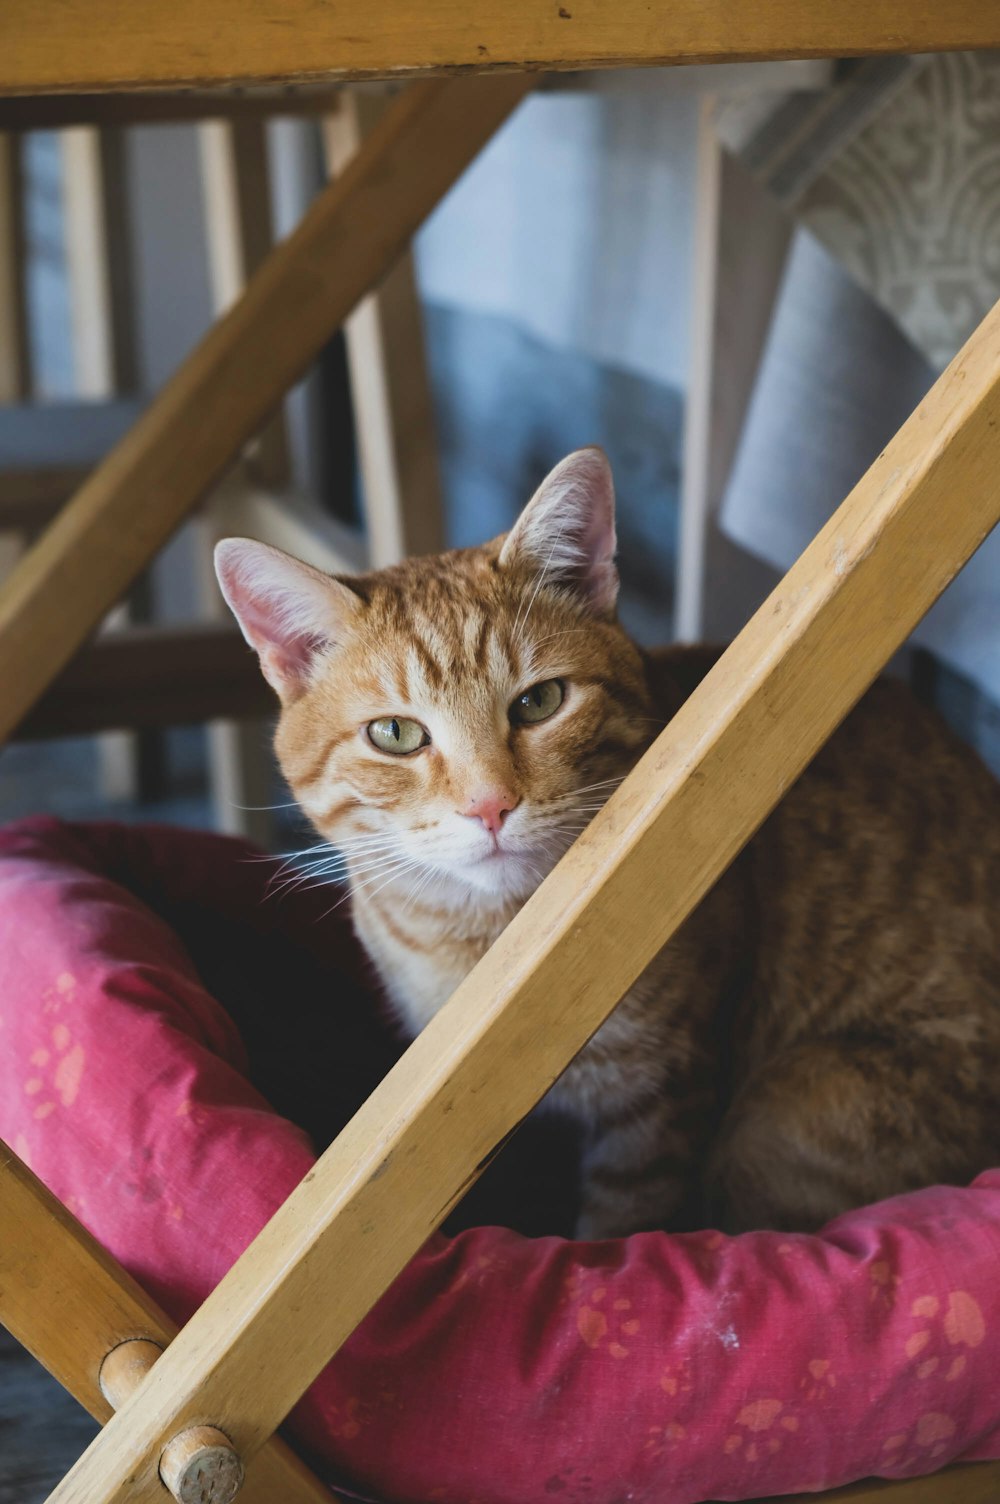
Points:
[(492, 807)]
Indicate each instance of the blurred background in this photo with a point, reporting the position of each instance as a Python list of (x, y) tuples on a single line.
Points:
[(739, 280)]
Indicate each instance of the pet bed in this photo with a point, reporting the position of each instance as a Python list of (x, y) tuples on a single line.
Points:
[(499, 1368)]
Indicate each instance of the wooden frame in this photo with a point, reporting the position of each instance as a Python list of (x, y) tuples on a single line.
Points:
[(92, 1308), (390, 389), (239, 232), (691, 803), (741, 239), (99, 47), (222, 393), (15, 359), (104, 357), (152, 677), (695, 798)]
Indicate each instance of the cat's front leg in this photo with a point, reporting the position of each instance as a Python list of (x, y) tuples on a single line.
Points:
[(637, 1172)]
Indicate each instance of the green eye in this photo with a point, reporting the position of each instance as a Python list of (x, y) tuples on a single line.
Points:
[(537, 703), (397, 736)]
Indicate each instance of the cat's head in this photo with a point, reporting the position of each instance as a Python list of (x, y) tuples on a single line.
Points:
[(464, 713)]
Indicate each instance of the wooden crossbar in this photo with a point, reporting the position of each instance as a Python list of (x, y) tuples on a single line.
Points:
[(617, 896), (70, 1303), (152, 676), (47, 112), (223, 391), (100, 45)]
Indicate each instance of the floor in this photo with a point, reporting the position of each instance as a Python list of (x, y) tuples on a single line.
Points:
[(42, 1429)]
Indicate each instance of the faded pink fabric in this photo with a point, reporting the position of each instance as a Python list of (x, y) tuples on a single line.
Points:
[(498, 1369)]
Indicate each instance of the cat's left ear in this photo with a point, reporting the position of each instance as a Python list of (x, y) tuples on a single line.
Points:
[(567, 530), (289, 613)]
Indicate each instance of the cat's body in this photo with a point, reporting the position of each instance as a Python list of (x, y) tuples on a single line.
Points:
[(825, 1028)]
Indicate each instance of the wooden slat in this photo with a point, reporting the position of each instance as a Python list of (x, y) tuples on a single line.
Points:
[(50, 434), (31, 498), (15, 353), (87, 264), (40, 112), (102, 44), (152, 676), (390, 387), (554, 974), (97, 259), (236, 197), (222, 392), (69, 1302), (740, 245), (236, 200)]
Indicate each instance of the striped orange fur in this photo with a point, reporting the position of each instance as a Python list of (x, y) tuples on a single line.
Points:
[(824, 1030)]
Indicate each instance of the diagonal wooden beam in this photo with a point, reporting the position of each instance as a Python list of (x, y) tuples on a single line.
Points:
[(67, 1301), (618, 895), (102, 44), (222, 393)]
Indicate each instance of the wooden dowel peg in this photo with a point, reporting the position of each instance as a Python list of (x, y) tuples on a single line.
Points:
[(124, 1368), (199, 1466)]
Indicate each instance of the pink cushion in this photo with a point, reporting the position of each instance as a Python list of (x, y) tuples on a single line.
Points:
[(498, 1368)]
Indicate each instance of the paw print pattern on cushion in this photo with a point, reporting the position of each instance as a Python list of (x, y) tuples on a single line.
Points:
[(761, 1425), (910, 1452), (958, 1324), (677, 1378), (883, 1284), (607, 1325), (660, 1439), (57, 1070), (818, 1380)]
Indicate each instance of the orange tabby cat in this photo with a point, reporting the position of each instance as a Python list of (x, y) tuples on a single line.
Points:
[(823, 1031)]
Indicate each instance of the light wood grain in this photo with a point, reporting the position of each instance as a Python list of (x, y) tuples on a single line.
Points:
[(66, 1300), (236, 200), (95, 220), (236, 197), (87, 259), (225, 389), (510, 1029), (124, 1368), (740, 244), (101, 44), (390, 387)]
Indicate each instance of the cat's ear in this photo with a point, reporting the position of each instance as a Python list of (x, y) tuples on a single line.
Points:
[(567, 530), (288, 611)]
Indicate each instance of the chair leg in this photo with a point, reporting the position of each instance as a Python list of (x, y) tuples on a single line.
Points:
[(236, 196), (390, 389), (15, 354), (95, 210), (15, 362), (223, 392), (551, 979), (740, 245), (112, 1319)]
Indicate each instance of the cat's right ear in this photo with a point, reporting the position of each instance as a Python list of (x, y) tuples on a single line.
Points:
[(288, 612)]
